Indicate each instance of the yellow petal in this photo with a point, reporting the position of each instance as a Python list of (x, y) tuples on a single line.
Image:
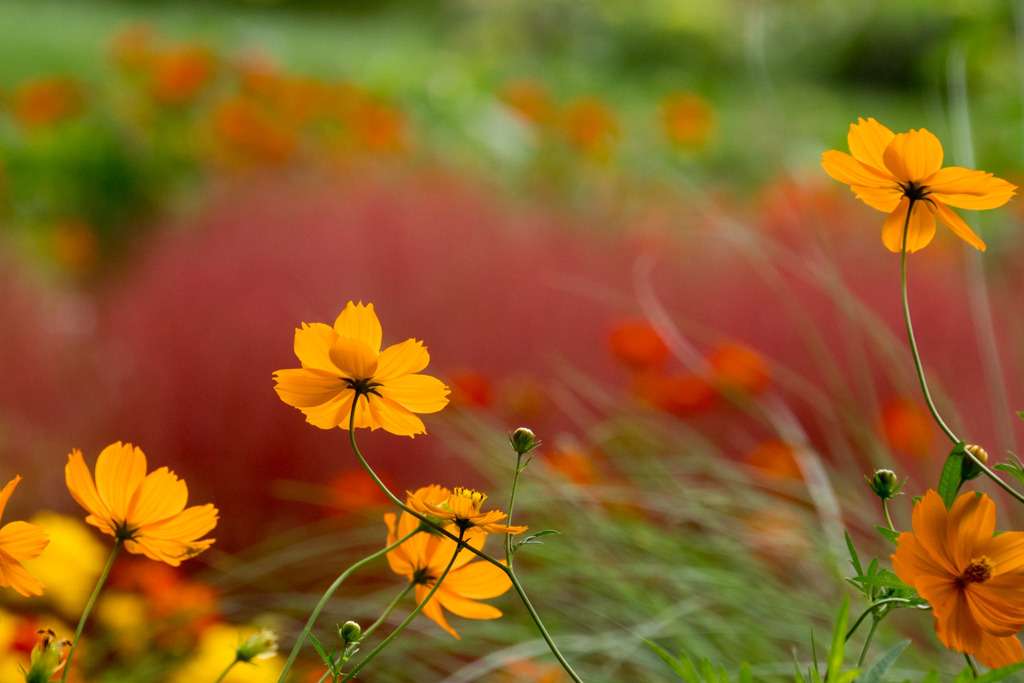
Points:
[(120, 468), (433, 609), (354, 357), (5, 494), (868, 140), (955, 223), (401, 359), (479, 580), (882, 198), (360, 322), (456, 604), (846, 169), (304, 388), (82, 488), (312, 347), (912, 157), (968, 189), (23, 541), (919, 231), (161, 495), (17, 577), (394, 418), (418, 393)]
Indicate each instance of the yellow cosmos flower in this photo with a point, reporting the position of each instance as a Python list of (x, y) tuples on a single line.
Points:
[(145, 511), (423, 558), (462, 508), (903, 173), (972, 579), (19, 542), (345, 364)]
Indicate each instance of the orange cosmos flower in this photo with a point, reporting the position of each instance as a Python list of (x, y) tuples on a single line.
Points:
[(145, 511), (972, 579), (637, 345), (19, 542), (901, 173), (462, 508), (345, 364), (423, 558)]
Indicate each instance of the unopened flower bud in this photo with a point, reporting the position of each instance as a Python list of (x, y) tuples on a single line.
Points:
[(46, 658), (970, 469), (978, 452), (350, 632), (523, 441), (260, 645), (885, 484)]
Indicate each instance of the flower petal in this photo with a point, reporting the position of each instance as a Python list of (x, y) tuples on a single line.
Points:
[(5, 494), (312, 347), (846, 169), (868, 140), (929, 523), (456, 604), (305, 388), (911, 157), (965, 188), (418, 393), (1006, 551), (955, 223), (120, 468), (394, 418), (970, 523), (14, 575), (433, 608), (401, 359), (993, 614), (882, 198), (354, 357), (919, 230), (478, 581), (160, 496), (22, 540), (361, 323)]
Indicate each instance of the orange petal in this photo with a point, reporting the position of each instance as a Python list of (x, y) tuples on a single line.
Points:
[(312, 347), (161, 495), (305, 388), (360, 322), (17, 577), (882, 198), (457, 604), (929, 523), (868, 140), (433, 608), (1005, 550), (23, 541), (968, 189), (955, 223), (846, 169), (912, 562), (5, 494), (401, 359), (418, 393), (120, 468), (912, 157), (479, 580), (354, 357), (993, 614), (995, 652), (970, 523), (919, 230), (394, 418)]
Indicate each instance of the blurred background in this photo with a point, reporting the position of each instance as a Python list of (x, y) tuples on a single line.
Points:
[(606, 221)]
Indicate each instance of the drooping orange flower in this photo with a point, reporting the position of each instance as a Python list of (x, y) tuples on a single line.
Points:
[(972, 579), (423, 558), (903, 173), (462, 508), (19, 542), (145, 511), (345, 364)]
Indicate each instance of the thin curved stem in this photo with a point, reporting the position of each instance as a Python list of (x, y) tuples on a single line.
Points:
[(327, 596), (511, 504), (412, 615), (88, 607), (225, 671), (867, 642), (973, 664), (871, 608), (888, 518), (444, 532), (373, 627)]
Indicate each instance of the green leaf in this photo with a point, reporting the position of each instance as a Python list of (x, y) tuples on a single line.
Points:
[(797, 676), (671, 661), (886, 579), (964, 676), (950, 480), (854, 560), (888, 534), (875, 673), (708, 671), (932, 677), (319, 648), (848, 676), (835, 653), (999, 674), (745, 675), (530, 539)]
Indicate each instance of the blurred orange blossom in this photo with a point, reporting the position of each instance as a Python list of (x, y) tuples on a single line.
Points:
[(344, 364), (19, 542), (903, 173), (972, 579), (145, 511), (424, 556)]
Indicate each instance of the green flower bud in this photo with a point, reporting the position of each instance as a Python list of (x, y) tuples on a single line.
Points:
[(260, 645), (46, 658), (523, 441), (350, 632), (885, 484), (970, 469)]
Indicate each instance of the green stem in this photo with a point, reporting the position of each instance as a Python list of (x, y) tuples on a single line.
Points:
[(327, 596), (88, 608), (888, 519), (867, 642), (444, 532), (870, 609), (973, 664), (910, 330), (225, 671), (391, 607), (920, 370), (511, 503), (412, 615)]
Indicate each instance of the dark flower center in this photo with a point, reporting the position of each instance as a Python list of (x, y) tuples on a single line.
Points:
[(978, 571), (363, 386), (913, 191)]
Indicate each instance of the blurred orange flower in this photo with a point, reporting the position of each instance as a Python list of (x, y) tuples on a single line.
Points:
[(529, 99), (180, 74), (682, 394), (132, 48), (971, 578), (462, 508), (145, 511), (19, 542), (423, 558), (775, 458), (245, 132), (471, 388), (43, 102), (345, 364), (907, 427), (903, 173), (354, 491), (687, 119), (637, 345), (739, 368), (591, 126), (570, 460)]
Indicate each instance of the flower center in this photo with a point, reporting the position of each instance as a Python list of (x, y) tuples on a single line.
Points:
[(475, 498), (978, 571), (423, 577), (363, 386), (914, 191)]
